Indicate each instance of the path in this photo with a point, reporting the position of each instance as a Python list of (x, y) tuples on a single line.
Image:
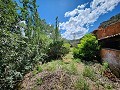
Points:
[(69, 57)]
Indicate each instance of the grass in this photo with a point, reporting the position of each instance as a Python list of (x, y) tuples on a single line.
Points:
[(39, 68), (39, 81), (34, 72), (81, 84), (73, 67), (86, 75), (103, 68), (77, 60), (67, 67), (108, 87), (89, 72), (70, 68)]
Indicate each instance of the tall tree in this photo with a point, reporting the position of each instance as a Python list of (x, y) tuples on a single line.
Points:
[(8, 15), (57, 35)]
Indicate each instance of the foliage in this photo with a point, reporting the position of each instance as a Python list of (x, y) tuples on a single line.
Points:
[(105, 65), (14, 58), (20, 53), (70, 68), (88, 49), (57, 49), (66, 47), (8, 15), (77, 60)]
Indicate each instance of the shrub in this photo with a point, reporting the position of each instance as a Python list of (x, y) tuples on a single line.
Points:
[(66, 47), (57, 49), (88, 49), (17, 57), (76, 53)]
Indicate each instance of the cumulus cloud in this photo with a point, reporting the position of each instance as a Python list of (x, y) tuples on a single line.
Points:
[(82, 17)]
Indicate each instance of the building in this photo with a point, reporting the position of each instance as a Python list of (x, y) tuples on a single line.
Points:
[(108, 35)]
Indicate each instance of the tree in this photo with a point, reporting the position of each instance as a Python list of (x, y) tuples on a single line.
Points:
[(88, 49), (56, 35), (8, 15)]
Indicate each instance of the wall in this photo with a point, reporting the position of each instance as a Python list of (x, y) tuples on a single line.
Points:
[(112, 56)]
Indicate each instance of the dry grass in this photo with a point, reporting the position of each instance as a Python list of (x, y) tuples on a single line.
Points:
[(68, 74)]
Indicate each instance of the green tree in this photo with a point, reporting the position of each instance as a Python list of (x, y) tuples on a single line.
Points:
[(88, 49), (18, 54), (56, 34), (8, 15)]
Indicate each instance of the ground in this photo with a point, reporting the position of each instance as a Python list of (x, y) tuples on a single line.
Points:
[(69, 74)]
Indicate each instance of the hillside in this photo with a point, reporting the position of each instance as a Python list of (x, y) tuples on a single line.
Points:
[(70, 74), (112, 20)]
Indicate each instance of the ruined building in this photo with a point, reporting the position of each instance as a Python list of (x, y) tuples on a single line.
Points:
[(108, 35)]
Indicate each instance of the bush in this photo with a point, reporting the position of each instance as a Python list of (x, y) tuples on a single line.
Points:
[(65, 48), (17, 57), (57, 49), (88, 49)]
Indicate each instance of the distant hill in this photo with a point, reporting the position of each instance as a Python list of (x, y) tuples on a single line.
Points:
[(112, 20), (74, 42)]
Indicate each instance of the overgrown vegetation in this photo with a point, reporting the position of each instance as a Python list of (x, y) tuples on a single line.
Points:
[(30, 46), (88, 49), (59, 75), (24, 41), (81, 84)]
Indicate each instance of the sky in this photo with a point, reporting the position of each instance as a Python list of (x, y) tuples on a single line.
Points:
[(77, 17)]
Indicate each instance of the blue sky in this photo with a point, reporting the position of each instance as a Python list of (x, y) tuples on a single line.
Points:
[(77, 17)]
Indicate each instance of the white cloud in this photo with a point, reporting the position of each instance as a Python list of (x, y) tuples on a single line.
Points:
[(71, 13), (82, 6), (81, 17)]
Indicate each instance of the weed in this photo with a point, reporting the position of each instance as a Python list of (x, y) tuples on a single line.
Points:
[(51, 66), (39, 81), (108, 86), (77, 60), (34, 72), (89, 72), (104, 67), (97, 84), (81, 84), (70, 68), (39, 69)]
